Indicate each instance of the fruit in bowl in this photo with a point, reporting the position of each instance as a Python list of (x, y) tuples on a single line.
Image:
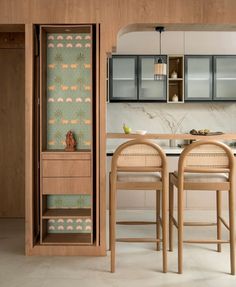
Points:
[(127, 130)]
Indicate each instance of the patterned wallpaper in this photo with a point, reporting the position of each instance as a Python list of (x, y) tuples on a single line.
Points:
[(69, 225), (68, 201), (69, 89)]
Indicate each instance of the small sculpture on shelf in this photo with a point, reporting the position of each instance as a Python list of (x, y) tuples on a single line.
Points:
[(174, 75), (70, 142), (175, 98)]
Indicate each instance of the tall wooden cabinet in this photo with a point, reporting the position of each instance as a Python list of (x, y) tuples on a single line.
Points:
[(68, 192)]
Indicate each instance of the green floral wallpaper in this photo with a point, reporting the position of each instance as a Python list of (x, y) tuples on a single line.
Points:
[(68, 225), (68, 201), (69, 89)]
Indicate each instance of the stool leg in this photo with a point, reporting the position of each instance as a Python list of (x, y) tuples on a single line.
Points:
[(180, 229), (158, 209), (109, 247), (113, 226), (164, 227), (232, 230), (218, 214), (171, 209)]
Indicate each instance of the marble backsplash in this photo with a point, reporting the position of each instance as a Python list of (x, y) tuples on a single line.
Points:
[(172, 118)]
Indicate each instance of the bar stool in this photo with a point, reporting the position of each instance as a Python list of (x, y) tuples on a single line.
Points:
[(139, 165), (203, 165)]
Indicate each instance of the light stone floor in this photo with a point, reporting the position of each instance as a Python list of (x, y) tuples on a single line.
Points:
[(137, 264)]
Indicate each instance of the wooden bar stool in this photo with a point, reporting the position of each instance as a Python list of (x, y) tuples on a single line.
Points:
[(203, 165), (139, 165)]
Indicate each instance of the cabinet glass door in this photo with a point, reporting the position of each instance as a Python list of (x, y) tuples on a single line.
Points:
[(150, 89), (224, 78), (198, 78), (123, 78)]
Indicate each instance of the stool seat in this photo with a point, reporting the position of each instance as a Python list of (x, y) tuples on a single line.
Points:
[(138, 177), (204, 177)]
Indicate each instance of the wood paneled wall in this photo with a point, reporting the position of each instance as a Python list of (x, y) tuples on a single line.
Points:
[(12, 128), (113, 16)]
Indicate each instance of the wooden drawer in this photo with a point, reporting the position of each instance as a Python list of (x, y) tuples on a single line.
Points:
[(80, 185), (66, 168)]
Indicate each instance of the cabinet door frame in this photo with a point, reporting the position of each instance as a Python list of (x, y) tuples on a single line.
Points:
[(162, 100), (220, 99), (122, 99), (197, 99)]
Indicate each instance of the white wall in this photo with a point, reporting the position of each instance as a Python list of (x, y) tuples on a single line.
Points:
[(168, 118), (178, 43)]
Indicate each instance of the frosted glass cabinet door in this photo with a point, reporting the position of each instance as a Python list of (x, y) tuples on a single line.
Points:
[(149, 89), (123, 78), (198, 78), (225, 78)]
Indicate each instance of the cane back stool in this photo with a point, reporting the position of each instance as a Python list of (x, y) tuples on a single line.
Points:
[(139, 165), (209, 166)]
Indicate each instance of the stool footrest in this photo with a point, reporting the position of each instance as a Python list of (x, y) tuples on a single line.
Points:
[(192, 223), (209, 241), (138, 240), (136, 222)]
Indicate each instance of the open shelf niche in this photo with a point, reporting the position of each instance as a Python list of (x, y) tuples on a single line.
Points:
[(175, 79)]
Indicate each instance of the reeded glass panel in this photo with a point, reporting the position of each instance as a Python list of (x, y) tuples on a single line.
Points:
[(150, 89), (198, 78), (225, 78), (124, 78)]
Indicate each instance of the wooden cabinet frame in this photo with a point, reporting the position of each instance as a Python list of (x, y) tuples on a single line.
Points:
[(33, 247)]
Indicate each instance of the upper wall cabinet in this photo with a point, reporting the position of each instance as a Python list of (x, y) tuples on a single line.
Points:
[(123, 78), (224, 78), (150, 89), (131, 78), (198, 78)]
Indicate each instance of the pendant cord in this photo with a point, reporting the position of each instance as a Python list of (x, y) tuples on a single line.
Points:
[(160, 42)]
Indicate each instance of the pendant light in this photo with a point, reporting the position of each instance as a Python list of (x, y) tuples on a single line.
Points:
[(159, 64)]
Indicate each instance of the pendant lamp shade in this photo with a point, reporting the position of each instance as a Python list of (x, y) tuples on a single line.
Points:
[(159, 64)]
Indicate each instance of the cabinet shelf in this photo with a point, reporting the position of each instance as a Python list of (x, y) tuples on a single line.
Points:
[(77, 239), (123, 79), (67, 213), (225, 79), (175, 79)]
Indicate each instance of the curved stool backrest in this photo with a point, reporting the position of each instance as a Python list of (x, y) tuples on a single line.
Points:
[(206, 157), (138, 155)]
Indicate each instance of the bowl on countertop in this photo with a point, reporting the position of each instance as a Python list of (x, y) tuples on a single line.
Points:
[(140, 132)]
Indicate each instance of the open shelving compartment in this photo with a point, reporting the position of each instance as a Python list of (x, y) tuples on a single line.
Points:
[(67, 184), (175, 85)]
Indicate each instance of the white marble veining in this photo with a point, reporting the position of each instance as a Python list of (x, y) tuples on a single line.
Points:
[(171, 118)]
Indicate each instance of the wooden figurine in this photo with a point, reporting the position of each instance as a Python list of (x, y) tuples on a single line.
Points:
[(70, 142)]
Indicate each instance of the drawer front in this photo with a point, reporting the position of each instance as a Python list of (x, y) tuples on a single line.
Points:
[(66, 168), (81, 185)]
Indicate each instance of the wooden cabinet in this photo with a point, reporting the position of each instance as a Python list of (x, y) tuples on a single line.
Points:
[(131, 79), (68, 200)]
